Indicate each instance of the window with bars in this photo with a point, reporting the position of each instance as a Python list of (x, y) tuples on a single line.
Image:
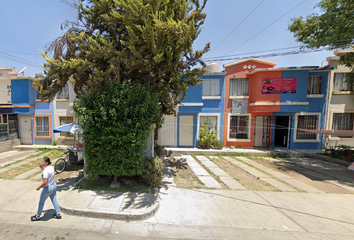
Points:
[(66, 120), (343, 82), (211, 87), (42, 127), (307, 122), (64, 93), (343, 121), (238, 87), (314, 85), (212, 122), (239, 126)]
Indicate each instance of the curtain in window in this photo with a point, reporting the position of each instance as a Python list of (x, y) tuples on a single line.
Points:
[(314, 85), (212, 122), (239, 87), (342, 82), (211, 87), (64, 93), (306, 122), (343, 121), (239, 127)]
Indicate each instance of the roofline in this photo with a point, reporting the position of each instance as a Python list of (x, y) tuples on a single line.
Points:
[(215, 73), (250, 59), (287, 69), (6, 68)]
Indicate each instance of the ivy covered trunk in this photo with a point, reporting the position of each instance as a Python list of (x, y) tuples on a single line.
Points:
[(116, 123)]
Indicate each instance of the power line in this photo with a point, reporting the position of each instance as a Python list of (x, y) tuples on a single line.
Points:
[(268, 26), (237, 26), (19, 60)]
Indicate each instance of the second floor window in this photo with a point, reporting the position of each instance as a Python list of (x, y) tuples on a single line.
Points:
[(343, 82), (211, 87), (238, 87), (314, 85), (64, 93)]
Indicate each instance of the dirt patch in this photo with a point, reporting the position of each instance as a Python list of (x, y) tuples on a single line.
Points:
[(246, 179), (301, 175), (183, 176)]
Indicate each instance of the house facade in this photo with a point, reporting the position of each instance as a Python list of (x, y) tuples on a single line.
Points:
[(340, 114), (203, 103)]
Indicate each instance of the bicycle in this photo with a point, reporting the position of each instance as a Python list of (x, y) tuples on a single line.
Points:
[(61, 163)]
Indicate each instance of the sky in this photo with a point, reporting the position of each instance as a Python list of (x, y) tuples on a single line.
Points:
[(27, 26)]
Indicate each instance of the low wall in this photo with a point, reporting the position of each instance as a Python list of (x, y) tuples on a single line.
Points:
[(7, 145)]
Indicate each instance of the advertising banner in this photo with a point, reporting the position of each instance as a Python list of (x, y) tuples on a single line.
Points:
[(279, 85)]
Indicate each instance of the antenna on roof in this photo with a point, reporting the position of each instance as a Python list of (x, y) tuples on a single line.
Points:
[(22, 71)]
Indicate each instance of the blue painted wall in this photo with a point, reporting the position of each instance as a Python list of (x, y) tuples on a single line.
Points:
[(22, 93), (316, 105), (194, 95)]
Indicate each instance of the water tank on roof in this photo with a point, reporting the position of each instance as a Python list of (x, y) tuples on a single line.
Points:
[(213, 67)]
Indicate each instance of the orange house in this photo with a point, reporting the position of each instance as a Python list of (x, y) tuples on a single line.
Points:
[(239, 123)]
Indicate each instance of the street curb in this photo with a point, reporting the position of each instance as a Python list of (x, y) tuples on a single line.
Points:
[(108, 215)]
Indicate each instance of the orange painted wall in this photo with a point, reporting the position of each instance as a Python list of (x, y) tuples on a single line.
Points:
[(239, 72)]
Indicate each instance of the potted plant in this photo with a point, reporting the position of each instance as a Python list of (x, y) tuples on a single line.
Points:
[(207, 136), (218, 144)]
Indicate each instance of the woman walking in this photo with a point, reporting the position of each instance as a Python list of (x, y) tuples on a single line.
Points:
[(49, 190)]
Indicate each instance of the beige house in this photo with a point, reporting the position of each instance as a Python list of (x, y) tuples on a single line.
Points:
[(340, 108)]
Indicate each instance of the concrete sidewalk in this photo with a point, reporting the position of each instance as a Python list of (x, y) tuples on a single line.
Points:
[(109, 205)]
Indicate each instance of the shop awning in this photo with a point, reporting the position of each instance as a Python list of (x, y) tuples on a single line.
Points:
[(73, 128), (339, 133)]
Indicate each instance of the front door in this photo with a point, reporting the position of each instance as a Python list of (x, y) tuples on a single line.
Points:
[(26, 132), (282, 131), (186, 131), (261, 138)]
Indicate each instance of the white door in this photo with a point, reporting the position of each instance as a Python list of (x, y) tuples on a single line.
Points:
[(258, 131), (26, 132), (186, 131), (168, 132)]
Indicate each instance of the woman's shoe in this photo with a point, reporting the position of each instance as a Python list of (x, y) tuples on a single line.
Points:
[(57, 216), (35, 218)]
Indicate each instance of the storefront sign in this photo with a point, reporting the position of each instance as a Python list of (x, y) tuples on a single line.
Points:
[(279, 85), (239, 106)]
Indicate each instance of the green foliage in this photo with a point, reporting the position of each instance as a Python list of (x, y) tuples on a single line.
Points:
[(218, 144), (159, 149), (206, 135), (341, 151), (152, 171), (54, 142), (332, 27), (116, 123), (143, 41)]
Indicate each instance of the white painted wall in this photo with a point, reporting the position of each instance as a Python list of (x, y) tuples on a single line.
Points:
[(5, 92)]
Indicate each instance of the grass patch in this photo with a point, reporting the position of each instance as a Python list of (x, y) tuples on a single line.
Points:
[(12, 173), (128, 184), (183, 175)]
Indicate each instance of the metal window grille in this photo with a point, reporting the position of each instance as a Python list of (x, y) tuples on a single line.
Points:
[(314, 85), (343, 121), (66, 120), (42, 127), (239, 127), (211, 87), (306, 122), (239, 87), (64, 93)]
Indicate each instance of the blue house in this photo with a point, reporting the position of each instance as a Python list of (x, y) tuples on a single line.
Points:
[(202, 103)]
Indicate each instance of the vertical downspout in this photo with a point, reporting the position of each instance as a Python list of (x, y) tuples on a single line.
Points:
[(8, 127)]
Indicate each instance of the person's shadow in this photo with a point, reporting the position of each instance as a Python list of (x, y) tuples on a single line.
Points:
[(48, 214)]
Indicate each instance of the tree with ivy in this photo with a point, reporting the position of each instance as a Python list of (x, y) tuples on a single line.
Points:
[(143, 41), (332, 27)]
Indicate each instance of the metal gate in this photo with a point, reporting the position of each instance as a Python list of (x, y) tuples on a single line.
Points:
[(262, 131)]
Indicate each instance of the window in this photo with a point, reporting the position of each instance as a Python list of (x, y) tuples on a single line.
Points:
[(42, 127), (239, 126), (343, 121), (343, 82), (212, 122), (66, 120), (306, 122), (239, 87), (314, 85), (64, 93), (211, 87)]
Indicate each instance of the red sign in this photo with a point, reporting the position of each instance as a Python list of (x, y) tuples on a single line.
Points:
[(279, 85)]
